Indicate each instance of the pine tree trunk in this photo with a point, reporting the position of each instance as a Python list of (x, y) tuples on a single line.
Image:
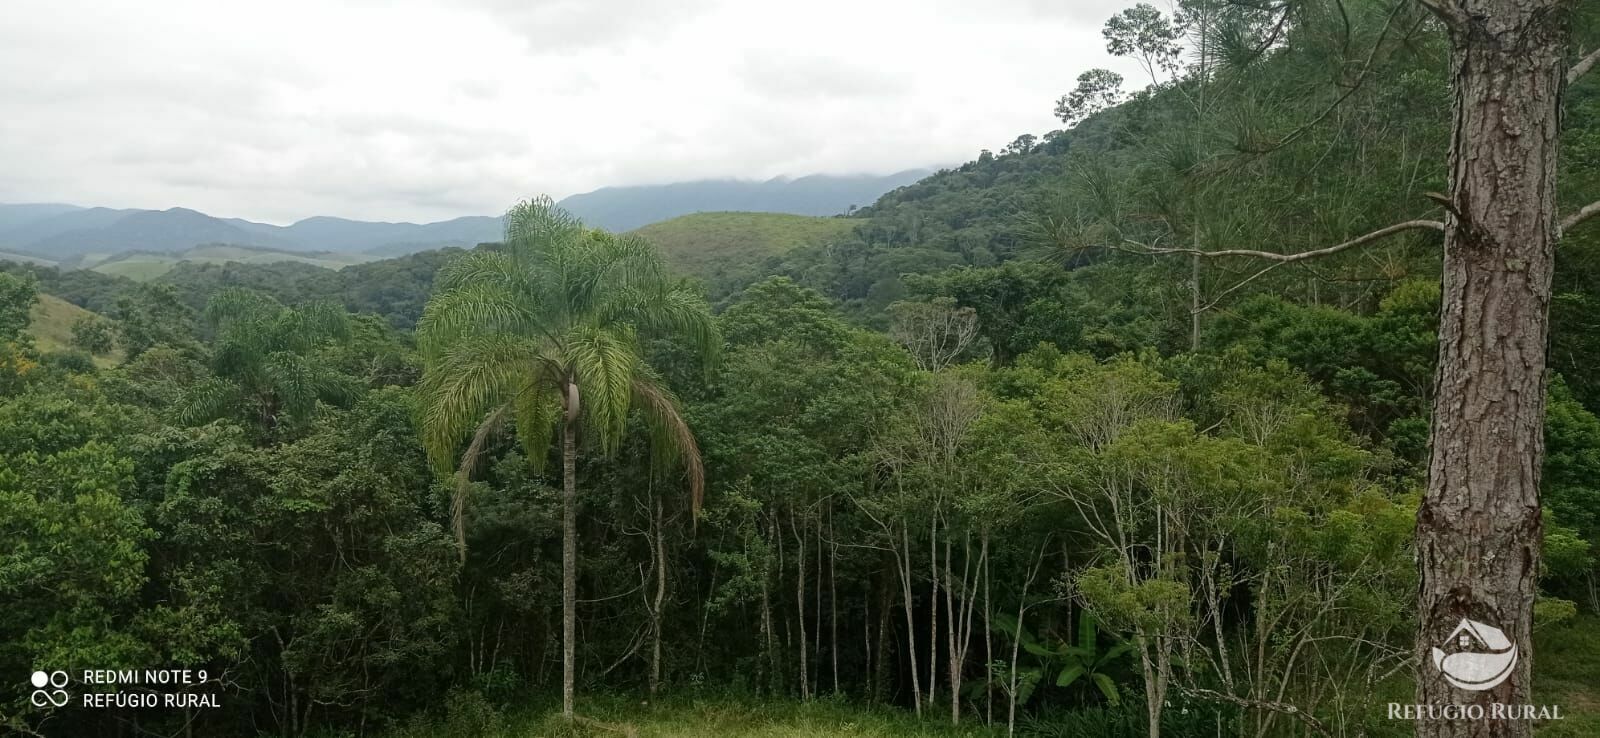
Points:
[(1478, 528), (569, 552)]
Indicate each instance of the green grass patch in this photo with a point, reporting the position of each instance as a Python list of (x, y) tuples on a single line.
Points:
[(50, 325), (1566, 673), (144, 266), (707, 244), (467, 715), (25, 258)]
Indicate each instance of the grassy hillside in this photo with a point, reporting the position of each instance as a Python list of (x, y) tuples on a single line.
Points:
[(52, 326), (144, 266), (25, 258), (711, 245)]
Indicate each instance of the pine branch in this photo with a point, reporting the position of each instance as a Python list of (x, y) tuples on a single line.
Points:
[(1350, 90), (1304, 255), (1584, 213), (1583, 66)]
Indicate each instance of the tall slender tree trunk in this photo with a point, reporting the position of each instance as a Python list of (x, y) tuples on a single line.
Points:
[(658, 549), (1194, 295), (569, 550), (767, 633), (1478, 527), (833, 600), (880, 662), (988, 642), (800, 606), (904, 565), (933, 607)]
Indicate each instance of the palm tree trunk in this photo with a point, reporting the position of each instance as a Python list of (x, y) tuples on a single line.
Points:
[(659, 551), (569, 552)]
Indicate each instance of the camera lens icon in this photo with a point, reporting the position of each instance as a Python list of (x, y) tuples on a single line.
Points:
[(48, 690)]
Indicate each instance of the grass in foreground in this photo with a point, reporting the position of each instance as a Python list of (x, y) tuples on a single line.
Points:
[(684, 718), (1566, 672)]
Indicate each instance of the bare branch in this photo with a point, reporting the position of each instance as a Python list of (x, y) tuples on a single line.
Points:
[(1584, 213), (1409, 225), (1310, 721), (1247, 280), (1583, 66)]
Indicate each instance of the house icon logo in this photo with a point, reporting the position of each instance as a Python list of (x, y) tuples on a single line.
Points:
[(1482, 656)]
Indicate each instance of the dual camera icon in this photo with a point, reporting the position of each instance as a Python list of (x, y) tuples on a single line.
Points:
[(48, 689)]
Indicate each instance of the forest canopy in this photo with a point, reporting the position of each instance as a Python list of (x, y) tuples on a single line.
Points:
[(990, 456)]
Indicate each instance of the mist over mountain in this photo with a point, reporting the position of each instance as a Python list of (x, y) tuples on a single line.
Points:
[(626, 208), (65, 232)]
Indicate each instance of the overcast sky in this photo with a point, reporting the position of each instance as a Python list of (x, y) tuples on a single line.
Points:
[(416, 110)]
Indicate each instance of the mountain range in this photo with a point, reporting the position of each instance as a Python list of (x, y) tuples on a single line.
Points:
[(68, 233), (627, 208)]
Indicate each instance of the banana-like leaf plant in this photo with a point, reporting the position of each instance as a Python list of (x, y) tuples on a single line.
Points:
[(1072, 661)]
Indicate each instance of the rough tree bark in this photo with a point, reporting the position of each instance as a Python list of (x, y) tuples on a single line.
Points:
[(1478, 528)]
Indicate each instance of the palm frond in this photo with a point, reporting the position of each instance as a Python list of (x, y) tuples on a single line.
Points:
[(537, 226), (469, 463), (475, 309), (537, 412), (467, 380), (207, 401), (671, 441), (480, 267), (603, 363), (289, 378), (238, 303)]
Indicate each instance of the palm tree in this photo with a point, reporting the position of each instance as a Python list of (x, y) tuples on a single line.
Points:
[(264, 359), (546, 333)]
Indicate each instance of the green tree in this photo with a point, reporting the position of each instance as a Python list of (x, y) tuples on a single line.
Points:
[(17, 360), (17, 295), (152, 315), (266, 363), (92, 335), (547, 332)]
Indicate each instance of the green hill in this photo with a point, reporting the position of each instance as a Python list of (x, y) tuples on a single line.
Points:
[(144, 266), (51, 326), (25, 258), (714, 246)]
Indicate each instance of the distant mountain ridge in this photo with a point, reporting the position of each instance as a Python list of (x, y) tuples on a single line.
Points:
[(627, 208), (64, 233)]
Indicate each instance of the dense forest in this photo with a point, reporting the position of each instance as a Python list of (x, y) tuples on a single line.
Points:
[(1001, 457)]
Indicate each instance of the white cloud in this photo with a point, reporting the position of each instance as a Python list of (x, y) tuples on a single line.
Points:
[(420, 110)]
